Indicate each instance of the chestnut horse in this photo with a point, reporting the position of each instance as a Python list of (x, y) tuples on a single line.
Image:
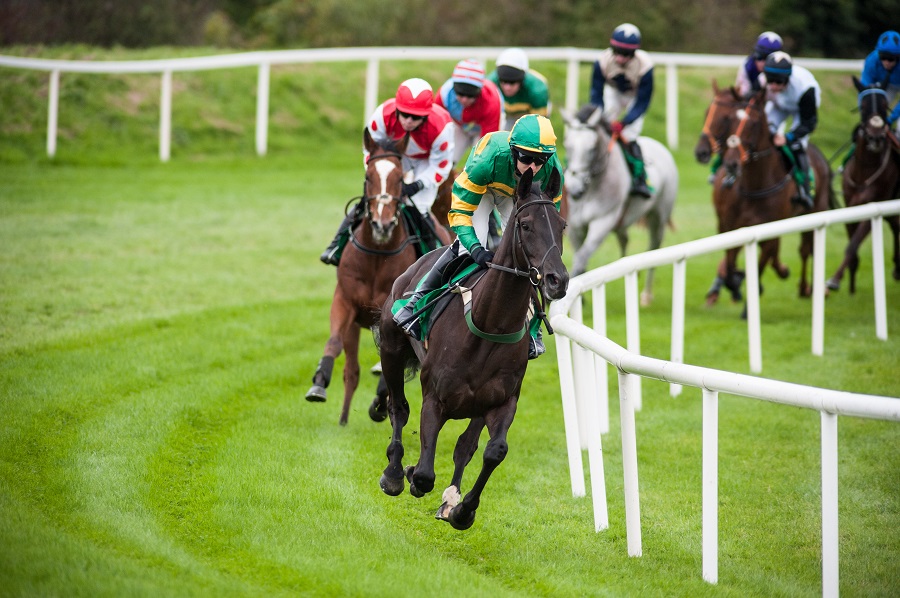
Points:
[(764, 186), (719, 120), (380, 249), (476, 354), (871, 174)]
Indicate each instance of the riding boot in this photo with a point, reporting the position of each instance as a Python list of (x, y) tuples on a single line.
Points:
[(332, 253), (536, 346), (639, 173), (404, 318), (804, 197)]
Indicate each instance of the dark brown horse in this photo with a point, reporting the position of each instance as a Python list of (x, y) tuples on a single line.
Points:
[(720, 119), (871, 174), (476, 354), (764, 187), (380, 249)]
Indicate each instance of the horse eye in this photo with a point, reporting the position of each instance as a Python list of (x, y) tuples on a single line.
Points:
[(526, 226)]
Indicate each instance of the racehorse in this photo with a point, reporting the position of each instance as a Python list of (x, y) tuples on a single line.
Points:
[(871, 174), (380, 249), (764, 186), (720, 116), (474, 360), (598, 182)]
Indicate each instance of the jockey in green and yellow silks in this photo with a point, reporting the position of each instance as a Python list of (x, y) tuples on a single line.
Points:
[(488, 182)]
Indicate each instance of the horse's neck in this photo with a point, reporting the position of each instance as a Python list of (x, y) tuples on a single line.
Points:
[(501, 299), (768, 168), (615, 174)]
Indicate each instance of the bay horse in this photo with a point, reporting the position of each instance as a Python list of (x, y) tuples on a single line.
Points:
[(475, 357), (380, 249), (598, 182), (871, 174), (765, 185), (718, 122)]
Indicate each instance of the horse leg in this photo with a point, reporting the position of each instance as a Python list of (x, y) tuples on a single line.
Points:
[(393, 354), (378, 408), (834, 283), (351, 369), (806, 249), (466, 445), (712, 295), (851, 255), (596, 234), (341, 315), (656, 227), (421, 477), (498, 421)]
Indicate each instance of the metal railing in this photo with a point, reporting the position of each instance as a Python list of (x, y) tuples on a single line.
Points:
[(574, 57), (583, 354)]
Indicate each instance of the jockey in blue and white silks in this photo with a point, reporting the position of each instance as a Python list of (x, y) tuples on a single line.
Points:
[(880, 68)]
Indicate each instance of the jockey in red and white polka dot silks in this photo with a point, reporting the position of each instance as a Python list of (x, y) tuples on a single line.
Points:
[(429, 154)]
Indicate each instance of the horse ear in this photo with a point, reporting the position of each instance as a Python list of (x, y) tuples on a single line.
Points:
[(715, 86), (566, 116), (857, 83), (401, 145), (524, 186), (368, 142), (595, 117), (554, 184)]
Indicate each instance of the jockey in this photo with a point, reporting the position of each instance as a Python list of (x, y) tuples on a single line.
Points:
[(524, 90), (748, 75), (629, 72), (792, 92), (880, 68), (488, 182), (428, 152), (473, 103)]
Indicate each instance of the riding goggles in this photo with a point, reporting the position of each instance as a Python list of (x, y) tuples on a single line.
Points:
[(623, 51), (411, 116), (529, 159), (777, 79), (887, 56)]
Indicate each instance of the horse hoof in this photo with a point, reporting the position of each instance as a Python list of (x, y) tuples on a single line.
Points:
[(460, 521), (316, 394), (783, 274), (376, 369), (712, 299), (415, 491), (833, 285), (391, 486), (377, 412)]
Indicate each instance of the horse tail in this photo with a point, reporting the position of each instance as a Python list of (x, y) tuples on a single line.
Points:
[(410, 367)]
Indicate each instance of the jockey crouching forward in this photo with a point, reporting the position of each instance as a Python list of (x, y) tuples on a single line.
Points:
[(793, 92), (473, 103), (880, 68), (428, 154), (489, 182)]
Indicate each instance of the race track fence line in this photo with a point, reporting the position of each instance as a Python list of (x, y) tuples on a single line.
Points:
[(373, 56), (583, 354)]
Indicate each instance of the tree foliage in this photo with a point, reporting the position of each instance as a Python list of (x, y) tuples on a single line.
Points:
[(830, 28)]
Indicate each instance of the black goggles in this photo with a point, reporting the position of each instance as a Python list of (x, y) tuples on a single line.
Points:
[(777, 79), (623, 51), (529, 159), (410, 116), (760, 55), (887, 56)]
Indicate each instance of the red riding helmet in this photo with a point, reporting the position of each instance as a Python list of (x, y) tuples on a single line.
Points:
[(415, 96)]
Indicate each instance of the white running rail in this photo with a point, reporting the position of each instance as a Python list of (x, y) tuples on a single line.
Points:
[(583, 353), (574, 57)]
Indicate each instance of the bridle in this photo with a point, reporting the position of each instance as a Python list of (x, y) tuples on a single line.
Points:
[(599, 160), (711, 115), (383, 200), (877, 123), (534, 273), (748, 155)]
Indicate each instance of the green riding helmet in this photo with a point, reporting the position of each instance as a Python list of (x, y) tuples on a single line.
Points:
[(533, 133)]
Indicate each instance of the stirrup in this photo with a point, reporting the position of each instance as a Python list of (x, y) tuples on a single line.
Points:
[(642, 189), (412, 328), (536, 347), (331, 256)]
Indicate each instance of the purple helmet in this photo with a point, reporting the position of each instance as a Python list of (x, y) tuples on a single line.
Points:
[(766, 43)]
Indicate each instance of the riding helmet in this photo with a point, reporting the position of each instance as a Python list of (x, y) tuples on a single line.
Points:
[(534, 134), (766, 43), (414, 96), (889, 43), (626, 37), (512, 64), (779, 64), (468, 77)]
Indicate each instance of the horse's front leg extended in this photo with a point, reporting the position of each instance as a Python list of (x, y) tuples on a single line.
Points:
[(894, 223), (466, 445), (421, 477), (392, 361), (341, 315), (498, 421)]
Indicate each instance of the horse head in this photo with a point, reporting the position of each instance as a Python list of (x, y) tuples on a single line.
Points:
[(585, 142), (383, 187), (537, 235), (873, 112), (748, 139), (716, 125)]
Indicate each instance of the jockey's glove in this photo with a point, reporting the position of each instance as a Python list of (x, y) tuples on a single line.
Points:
[(410, 189), (616, 127), (482, 256)]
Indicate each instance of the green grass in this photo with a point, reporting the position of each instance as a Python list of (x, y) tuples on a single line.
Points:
[(160, 323)]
